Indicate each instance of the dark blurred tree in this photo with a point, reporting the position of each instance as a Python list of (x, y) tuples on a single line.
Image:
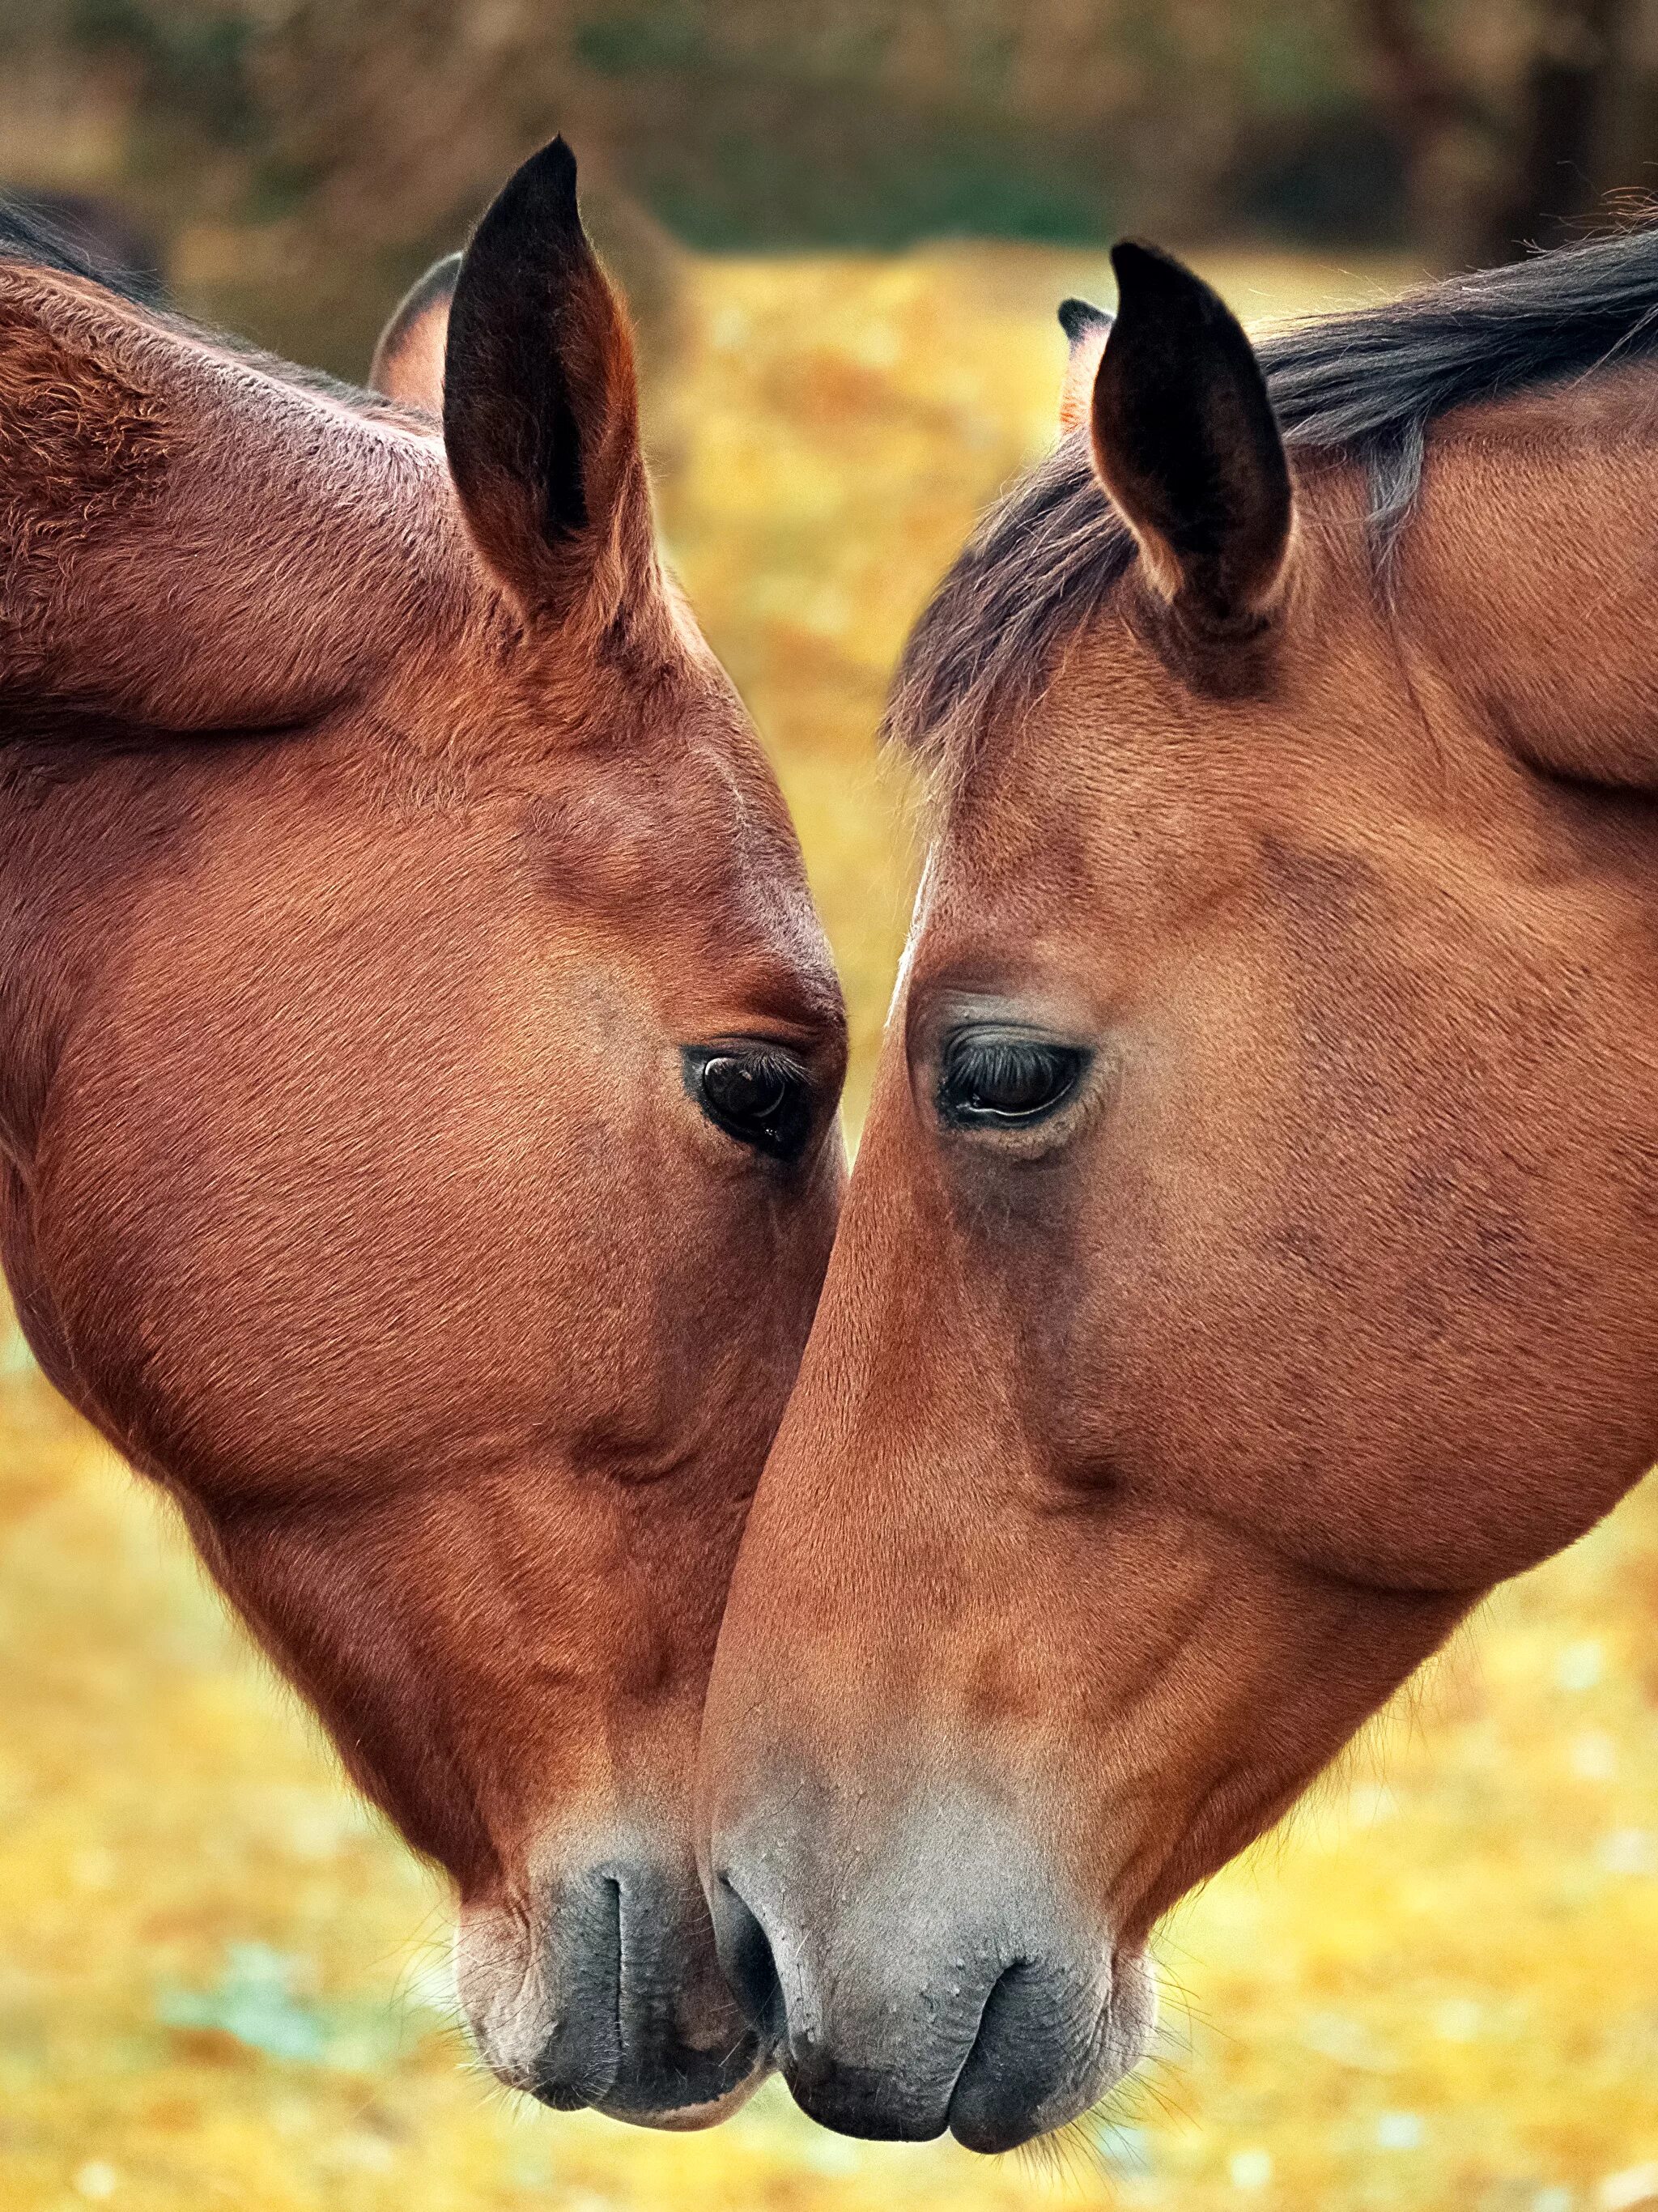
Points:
[(1503, 158), (1560, 144), (313, 156)]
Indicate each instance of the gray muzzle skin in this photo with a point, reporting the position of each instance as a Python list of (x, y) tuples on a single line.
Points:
[(608, 1994), (938, 1978)]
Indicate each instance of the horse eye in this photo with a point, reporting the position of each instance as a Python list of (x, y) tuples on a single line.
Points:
[(755, 1093), (1000, 1081)]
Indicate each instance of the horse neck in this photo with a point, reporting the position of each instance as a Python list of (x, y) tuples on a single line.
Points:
[(1527, 576), (87, 820)]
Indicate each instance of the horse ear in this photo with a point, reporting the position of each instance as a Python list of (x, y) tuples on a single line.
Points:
[(1086, 328), (540, 406), (408, 363), (1185, 442)]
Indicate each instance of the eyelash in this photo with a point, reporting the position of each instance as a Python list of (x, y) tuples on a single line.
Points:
[(976, 1066)]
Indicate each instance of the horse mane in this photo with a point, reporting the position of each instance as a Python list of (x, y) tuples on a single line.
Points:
[(31, 241), (27, 234), (1361, 386)]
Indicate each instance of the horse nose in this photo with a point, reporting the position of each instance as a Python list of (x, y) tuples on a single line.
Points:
[(610, 1996), (903, 2030), (683, 2046), (951, 1988)]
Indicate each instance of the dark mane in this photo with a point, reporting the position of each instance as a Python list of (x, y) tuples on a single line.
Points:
[(28, 233), (1364, 385), (26, 237)]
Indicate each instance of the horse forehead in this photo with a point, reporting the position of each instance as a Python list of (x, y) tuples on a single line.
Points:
[(1071, 838), (1123, 787), (674, 830)]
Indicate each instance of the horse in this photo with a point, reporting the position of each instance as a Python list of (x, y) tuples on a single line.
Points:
[(419, 1057), (1248, 1260)]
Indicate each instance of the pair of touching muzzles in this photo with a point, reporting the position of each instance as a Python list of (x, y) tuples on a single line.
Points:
[(1268, 1054)]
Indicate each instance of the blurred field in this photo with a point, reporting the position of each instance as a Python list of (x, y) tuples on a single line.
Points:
[(221, 1986)]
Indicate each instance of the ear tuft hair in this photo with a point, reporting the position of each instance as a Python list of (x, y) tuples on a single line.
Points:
[(1080, 318)]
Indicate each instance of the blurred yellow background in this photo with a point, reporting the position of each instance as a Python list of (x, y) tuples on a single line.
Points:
[(222, 1984)]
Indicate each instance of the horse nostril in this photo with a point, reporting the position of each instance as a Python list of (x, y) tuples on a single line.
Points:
[(745, 1957), (1032, 2047), (578, 2063)]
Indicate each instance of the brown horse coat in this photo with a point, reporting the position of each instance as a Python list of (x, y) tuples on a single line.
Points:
[(418, 1057), (1249, 1256)]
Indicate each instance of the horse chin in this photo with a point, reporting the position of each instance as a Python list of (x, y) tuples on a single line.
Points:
[(1131, 2025), (689, 2119)]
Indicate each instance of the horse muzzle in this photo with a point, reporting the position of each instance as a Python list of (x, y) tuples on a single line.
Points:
[(607, 1993), (938, 1981)]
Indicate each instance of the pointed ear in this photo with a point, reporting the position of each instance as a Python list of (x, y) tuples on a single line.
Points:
[(1086, 328), (1185, 442), (540, 407), (408, 363)]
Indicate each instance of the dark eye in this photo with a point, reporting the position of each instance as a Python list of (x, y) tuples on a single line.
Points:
[(991, 1079), (755, 1093)]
